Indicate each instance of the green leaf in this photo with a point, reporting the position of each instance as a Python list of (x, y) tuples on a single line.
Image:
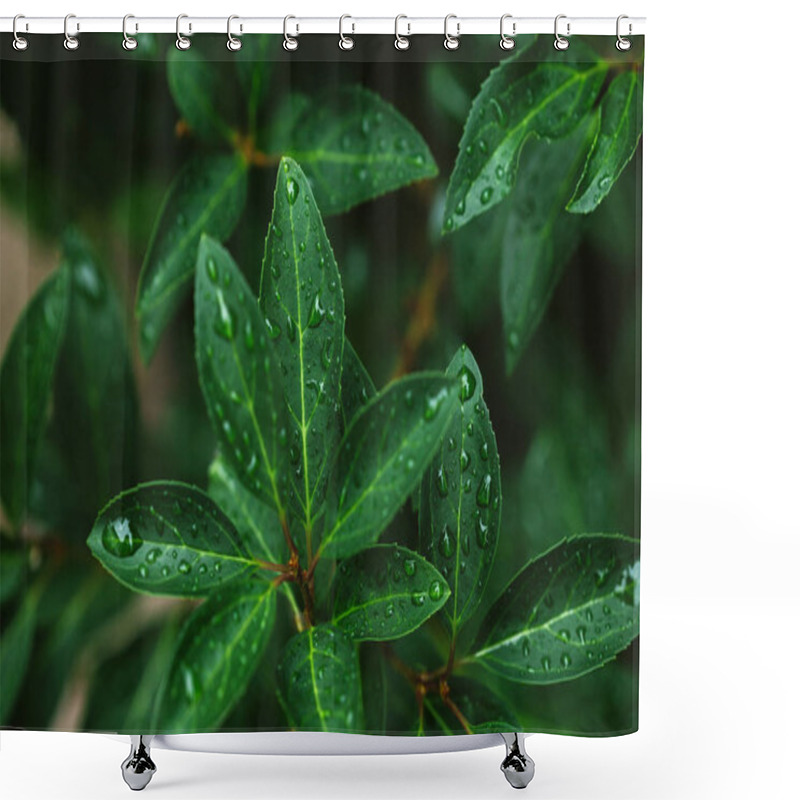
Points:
[(276, 137), (386, 592), (239, 375), (570, 478), (95, 409), (13, 568), (303, 305), (26, 376), (518, 100), (258, 524), (216, 656), (477, 251), (461, 496), (319, 681), (357, 386), (254, 67), (207, 196), (615, 142), (15, 652), (382, 457), (375, 688), (540, 236), (354, 146), (168, 538), (197, 91), (566, 613)]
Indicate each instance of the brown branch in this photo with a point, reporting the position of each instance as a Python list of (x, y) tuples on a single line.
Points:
[(422, 321), (444, 693), (295, 556), (271, 565), (420, 693)]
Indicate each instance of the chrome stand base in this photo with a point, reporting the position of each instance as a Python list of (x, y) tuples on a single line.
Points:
[(517, 766), (138, 768)]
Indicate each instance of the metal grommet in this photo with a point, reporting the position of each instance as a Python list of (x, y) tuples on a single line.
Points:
[(233, 44), (20, 42), (401, 42), (451, 42), (561, 43), (507, 42), (128, 42), (346, 42), (70, 42), (623, 43), (289, 42), (182, 42)]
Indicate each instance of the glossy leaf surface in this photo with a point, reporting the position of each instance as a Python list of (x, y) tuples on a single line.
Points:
[(207, 196), (354, 146), (518, 100), (357, 386), (240, 375), (216, 656), (320, 682), (303, 305), (383, 456), (258, 524), (386, 592), (566, 613), (168, 538), (461, 496), (26, 380), (615, 143), (540, 236)]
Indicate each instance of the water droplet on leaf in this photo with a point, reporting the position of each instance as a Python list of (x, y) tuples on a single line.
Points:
[(292, 190), (468, 383), (118, 538), (484, 491)]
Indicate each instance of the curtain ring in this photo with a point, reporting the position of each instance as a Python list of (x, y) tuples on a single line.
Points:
[(233, 44), (20, 42), (346, 42), (70, 42), (507, 42), (451, 42), (561, 43), (289, 42), (128, 42), (182, 42), (401, 42), (623, 43)]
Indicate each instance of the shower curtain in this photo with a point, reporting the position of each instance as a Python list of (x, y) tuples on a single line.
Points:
[(320, 385)]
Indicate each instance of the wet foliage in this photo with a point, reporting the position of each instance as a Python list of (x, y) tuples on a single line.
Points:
[(361, 454)]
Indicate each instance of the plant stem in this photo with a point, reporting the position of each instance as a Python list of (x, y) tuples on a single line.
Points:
[(444, 691), (420, 695), (271, 565), (288, 536), (423, 314), (296, 613)]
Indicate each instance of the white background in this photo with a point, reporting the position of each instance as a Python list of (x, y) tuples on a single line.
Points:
[(720, 437)]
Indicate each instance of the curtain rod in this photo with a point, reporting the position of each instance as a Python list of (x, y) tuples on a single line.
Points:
[(295, 25)]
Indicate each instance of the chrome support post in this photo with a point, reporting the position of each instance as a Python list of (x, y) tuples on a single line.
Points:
[(518, 766), (138, 768)]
